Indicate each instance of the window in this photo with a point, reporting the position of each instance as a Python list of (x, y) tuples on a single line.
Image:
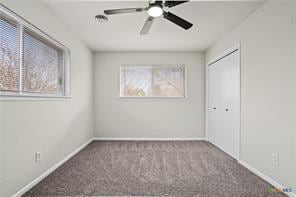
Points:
[(31, 62), (9, 55), (155, 81)]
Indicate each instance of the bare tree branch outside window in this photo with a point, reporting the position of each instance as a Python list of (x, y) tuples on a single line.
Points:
[(9, 56), (41, 66), (30, 61), (152, 81)]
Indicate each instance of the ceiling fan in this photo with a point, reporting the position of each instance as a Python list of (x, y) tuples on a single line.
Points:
[(155, 9)]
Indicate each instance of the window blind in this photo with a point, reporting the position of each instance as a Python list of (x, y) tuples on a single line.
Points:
[(9, 55), (41, 63), (31, 62)]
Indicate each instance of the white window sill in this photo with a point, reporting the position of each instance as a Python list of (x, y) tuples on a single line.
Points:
[(153, 98), (34, 97)]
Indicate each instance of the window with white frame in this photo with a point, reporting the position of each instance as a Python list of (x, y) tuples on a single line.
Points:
[(152, 81), (31, 62)]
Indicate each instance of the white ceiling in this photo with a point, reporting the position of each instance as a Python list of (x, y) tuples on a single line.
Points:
[(211, 20)]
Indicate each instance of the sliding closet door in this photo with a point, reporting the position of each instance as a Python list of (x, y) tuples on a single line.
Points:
[(224, 103)]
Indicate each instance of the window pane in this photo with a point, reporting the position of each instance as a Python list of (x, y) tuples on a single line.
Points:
[(168, 81), (41, 65), (152, 81), (9, 55), (136, 81)]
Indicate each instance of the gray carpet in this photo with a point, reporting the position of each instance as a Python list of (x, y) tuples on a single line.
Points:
[(142, 168)]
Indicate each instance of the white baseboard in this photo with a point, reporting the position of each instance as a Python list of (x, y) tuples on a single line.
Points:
[(49, 171), (148, 139), (265, 177)]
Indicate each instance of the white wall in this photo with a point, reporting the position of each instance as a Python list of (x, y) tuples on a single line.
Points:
[(268, 50), (117, 118), (55, 127), (1, 152)]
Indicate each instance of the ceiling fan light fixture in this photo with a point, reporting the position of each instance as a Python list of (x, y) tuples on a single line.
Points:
[(155, 11)]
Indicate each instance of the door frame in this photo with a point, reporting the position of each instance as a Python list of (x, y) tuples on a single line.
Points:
[(236, 47)]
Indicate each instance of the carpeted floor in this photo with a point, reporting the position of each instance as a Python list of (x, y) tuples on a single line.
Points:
[(142, 168)]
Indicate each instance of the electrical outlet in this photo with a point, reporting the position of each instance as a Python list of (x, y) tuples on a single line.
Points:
[(38, 157), (275, 159)]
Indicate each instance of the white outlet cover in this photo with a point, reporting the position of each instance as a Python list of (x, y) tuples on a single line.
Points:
[(275, 158), (37, 156)]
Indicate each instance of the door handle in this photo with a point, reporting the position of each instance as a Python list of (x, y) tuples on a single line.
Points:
[(226, 109)]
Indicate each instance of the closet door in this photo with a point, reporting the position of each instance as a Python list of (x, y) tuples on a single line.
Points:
[(224, 103)]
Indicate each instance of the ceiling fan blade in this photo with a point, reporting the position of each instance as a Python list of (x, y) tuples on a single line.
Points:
[(147, 25), (123, 11), (155, 2), (173, 3), (177, 20)]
